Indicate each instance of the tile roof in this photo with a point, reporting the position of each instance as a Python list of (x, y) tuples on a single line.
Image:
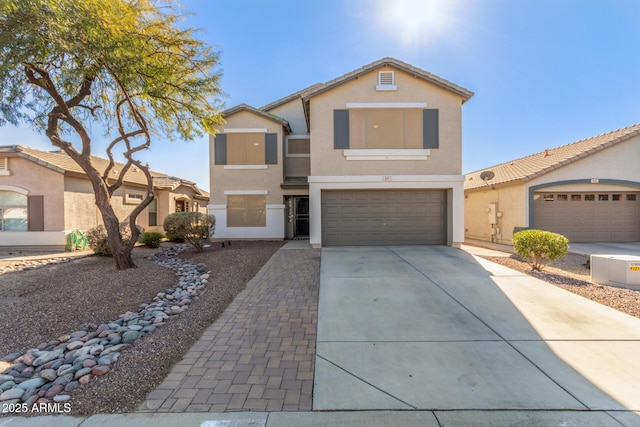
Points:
[(529, 167), (299, 94), (247, 107), (61, 162), (417, 72)]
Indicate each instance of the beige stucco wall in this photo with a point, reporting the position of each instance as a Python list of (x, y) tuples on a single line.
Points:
[(292, 112), (268, 179), (80, 207), (510, 203), (39, 180), (617, 162), (327, 161)]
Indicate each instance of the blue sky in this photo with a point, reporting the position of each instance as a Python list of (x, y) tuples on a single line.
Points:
[(545, 72)]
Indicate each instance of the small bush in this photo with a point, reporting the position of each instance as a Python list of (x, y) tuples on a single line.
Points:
[(193, 227), (152, 239), (99, 243), (538, 247)]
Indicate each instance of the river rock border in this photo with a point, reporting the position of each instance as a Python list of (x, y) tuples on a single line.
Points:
[(53, 370)]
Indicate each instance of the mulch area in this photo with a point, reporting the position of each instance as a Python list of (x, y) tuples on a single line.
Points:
[(40, 305)]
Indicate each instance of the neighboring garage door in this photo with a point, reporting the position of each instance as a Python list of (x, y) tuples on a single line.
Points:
[(589, 217), (384, 217)]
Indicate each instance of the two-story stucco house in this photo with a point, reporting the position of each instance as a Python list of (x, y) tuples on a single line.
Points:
[(370, 158)]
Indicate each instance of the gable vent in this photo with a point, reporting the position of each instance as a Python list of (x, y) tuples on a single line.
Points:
[(386, 81)]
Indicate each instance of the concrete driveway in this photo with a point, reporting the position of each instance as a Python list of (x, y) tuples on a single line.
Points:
[(434, 328)]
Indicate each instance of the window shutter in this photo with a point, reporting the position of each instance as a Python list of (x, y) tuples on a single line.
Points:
[(220, 149), (340, 129), (430, 131), (35, 213), (271, 149)]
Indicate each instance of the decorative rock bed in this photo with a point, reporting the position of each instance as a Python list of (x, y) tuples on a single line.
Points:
[(53, 370)]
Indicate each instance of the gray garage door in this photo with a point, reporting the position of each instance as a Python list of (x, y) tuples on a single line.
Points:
[(384, 217), (590, 217)]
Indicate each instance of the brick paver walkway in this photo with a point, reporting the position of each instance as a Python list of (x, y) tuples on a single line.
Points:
[(259, 355)]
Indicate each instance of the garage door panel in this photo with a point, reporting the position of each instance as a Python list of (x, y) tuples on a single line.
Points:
[(383, 217), (605, 217)]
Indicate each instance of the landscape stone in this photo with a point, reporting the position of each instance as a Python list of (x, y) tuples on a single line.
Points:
[(61, 398), (48, 374), (82, 372), (7, 385), (84, 380), (130, 336), (74, 345), (71, 386), (100, 370), (48, 356), (14, 393), (11, 357), (33, 382)]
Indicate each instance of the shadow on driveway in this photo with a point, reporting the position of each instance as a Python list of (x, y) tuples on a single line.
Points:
[(435, 328)]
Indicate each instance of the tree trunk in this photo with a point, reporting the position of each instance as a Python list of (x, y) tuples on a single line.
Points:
[(121, 252)]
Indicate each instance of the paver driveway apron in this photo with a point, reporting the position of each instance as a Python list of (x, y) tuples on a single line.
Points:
[(435, 328)]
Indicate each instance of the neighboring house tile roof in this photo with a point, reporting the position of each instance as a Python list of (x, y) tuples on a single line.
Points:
[(299, 94), (417, 72), (170, 183), (62, 163), (259, 112), (529, 167)]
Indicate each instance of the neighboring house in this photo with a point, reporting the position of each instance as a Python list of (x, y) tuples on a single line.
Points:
[(373, 157), (45, 195), (589, 191)]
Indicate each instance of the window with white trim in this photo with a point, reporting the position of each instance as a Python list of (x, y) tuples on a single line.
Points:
[(385, 128), (13, 211), (246, 211), (133, 197)]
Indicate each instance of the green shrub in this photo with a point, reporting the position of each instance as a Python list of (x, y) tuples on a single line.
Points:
[(152, 239), (193, 227), (538, 247), (99, 243)]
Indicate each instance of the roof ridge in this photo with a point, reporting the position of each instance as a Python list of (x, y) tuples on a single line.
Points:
[(637, 125)]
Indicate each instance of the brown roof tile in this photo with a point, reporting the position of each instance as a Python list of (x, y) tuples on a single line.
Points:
[(529, 167), (417, 72)]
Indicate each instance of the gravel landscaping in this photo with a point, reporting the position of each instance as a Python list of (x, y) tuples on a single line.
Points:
[(42, 304), (572, 274)]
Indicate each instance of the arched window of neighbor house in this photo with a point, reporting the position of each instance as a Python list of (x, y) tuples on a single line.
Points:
[(13, 211)]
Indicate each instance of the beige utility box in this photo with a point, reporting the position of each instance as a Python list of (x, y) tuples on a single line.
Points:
[(616, 270)]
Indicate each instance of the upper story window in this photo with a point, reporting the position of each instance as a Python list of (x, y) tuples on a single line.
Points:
[(385, 128), (386, 81), (298, 147), (13, 211), (246, 150), (386, 131)]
